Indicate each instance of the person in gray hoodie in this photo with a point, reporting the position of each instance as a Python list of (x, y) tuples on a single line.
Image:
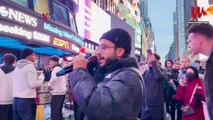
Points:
[(115, 92), (6, 88), (25, 82)]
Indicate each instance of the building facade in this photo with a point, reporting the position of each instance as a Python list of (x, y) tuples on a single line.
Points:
[(149, 40), (50, 30), (130, 12), (184, 15)]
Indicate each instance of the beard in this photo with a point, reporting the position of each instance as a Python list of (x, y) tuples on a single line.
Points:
[(108, 62), (102, 71)]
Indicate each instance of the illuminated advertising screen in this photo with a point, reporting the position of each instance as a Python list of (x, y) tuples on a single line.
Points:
[(18, 24), (41, 10), (91, 20), (128, 11), (23, 32)]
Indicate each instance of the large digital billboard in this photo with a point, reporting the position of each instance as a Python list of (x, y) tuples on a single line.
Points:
[(23, 25), (128, 11), (91, 20)]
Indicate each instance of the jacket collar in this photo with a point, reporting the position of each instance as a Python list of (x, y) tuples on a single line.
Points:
[(115, 64), (122, 63)]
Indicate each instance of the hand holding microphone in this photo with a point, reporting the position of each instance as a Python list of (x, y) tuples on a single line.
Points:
[(79, 61)]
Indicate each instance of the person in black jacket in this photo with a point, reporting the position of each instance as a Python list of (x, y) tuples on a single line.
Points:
[(116, 91), (154, 99), (201, 41), (170, 86), (47, 73)]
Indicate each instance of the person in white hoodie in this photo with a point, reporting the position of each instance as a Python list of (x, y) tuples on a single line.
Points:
[(6, 90), (25, 82), (57, 86)]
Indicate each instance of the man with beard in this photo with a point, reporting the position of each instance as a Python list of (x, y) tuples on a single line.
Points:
[(116, 90), (201, 41)]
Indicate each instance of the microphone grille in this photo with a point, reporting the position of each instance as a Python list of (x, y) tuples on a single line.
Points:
[(93, 59)]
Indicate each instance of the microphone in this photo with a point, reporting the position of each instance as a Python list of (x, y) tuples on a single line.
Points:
[(92, 63)]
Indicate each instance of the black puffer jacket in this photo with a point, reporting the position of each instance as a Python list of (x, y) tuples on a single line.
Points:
[(118, 96)]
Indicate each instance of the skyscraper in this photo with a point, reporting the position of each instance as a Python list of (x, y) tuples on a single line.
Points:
[(183, 16)]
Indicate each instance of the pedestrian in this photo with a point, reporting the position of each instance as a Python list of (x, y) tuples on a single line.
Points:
[(185, 62), (201, 41), (6, 88), (57, 85), (47, 73), (170, 86), (153, 78), (116, 90), (176, 66), (191, 92), (25, 82)]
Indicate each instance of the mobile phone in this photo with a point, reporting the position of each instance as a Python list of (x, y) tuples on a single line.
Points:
[(149, 51)]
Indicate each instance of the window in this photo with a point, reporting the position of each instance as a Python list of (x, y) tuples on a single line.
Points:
[(89, 45), (92, 47), (72, 22), (98, 2), (22, 2), (41, 10), (60, 13), (71, 6)]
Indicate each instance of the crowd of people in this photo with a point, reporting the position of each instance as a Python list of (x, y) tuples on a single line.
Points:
[(19, 84), (119, 88)]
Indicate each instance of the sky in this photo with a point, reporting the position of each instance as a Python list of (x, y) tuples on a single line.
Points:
[(160, 13)]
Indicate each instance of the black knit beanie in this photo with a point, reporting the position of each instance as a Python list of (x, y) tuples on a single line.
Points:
[(120, 38), (26, 52)]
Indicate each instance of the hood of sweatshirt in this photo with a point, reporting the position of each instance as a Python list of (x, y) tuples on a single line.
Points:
[(7, 68), (21, 63)]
